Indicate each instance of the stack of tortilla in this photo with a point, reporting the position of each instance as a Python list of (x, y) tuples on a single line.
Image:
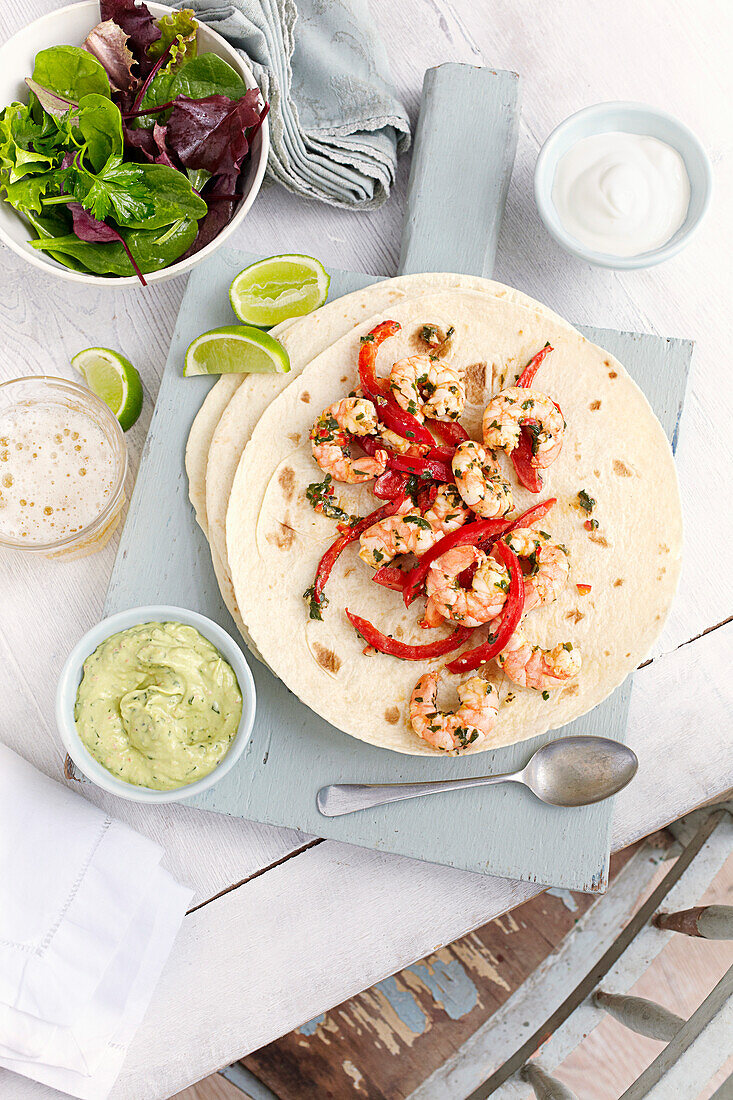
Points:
[(249, 464)]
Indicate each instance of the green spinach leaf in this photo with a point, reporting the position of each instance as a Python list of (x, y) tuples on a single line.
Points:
[(100, 123), (198, 177), (152, 249), (53, 224), (71, 72), (208, 75), (198, 78), (170, 197)]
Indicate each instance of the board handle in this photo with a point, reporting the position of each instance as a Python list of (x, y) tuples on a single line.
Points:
[(462, 162)]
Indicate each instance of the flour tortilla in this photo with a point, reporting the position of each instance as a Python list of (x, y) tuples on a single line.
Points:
[(202, 430), (238, 407), (614, 448)]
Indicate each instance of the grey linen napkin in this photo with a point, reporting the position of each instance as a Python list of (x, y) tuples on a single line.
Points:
[(336, 125)]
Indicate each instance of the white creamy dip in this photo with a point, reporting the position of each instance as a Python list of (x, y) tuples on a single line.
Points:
[(621, 193)]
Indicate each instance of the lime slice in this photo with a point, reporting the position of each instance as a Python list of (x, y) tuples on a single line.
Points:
[(114, 379), (279, 287), (235, 349)]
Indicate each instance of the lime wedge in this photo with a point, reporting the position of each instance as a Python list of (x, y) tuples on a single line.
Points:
[(114, 379), (279, 287), (235, 349)]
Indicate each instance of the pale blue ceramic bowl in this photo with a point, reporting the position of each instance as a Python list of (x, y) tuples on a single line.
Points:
[(632, 118), (71, 678)]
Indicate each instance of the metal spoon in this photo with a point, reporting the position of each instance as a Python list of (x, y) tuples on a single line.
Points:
[(572, 771)]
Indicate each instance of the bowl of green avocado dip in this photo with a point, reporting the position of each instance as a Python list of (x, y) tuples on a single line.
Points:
[(155, 703)]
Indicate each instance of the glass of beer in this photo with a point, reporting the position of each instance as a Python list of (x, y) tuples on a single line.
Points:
[(63, 464)]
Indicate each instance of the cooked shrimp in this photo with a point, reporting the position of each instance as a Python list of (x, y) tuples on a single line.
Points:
[(507, 411), (468, 606), (395, 442), (331, 441), (427, 387), (411, 532), (447, 512), (480, 481), (550, 565), (472, 722), (533, 667)]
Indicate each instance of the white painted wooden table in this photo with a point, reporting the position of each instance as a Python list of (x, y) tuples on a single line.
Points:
[(285, 926)]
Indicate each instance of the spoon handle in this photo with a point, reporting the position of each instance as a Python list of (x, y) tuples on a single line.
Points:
[(345, 798)]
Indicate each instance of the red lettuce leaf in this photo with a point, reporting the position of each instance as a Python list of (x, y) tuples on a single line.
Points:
[(159, 137), (88, 228), (222, 193), (139, 141), (211, 133), (52, 103), (138, 24), (108, 43)]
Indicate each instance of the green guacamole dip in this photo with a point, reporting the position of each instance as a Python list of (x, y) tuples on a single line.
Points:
[(158, 706)]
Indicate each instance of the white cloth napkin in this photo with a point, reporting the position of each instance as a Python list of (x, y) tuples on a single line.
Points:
[(87, 920)]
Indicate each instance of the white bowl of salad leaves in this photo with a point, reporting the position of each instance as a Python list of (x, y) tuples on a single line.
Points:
[(134, 142)]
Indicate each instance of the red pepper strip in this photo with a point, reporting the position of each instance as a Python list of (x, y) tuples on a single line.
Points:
[(528, 475), (414, 464), (526, 378), (389, 485), (389, 576), (532, 515), (393, 648), (448, 430), (470, 534), (403, 423), (348, 535), (426, 495), (372, 386), (445, 454), (377, 389), (583, 589), (511, 615)]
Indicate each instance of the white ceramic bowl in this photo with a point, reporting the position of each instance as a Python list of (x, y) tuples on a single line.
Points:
[(70, 26), (71, 677), (632, 118)]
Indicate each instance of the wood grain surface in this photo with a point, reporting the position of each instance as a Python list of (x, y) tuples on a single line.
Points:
[(229, 988)]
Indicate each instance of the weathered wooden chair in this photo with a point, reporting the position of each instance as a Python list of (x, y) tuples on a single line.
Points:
[(451, 1027)]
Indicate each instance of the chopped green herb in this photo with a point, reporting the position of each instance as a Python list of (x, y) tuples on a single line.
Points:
[(320, 496), (586, 502), (315, 606)]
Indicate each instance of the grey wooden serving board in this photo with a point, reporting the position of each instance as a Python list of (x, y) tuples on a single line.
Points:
[(163, 557)]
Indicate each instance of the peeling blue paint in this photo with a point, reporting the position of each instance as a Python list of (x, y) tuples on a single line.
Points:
[(565, 897), (450, 985), (312, 1026), (404, 1004)]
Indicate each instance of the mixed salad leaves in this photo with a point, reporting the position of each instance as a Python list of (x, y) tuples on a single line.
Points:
[(129, 154)]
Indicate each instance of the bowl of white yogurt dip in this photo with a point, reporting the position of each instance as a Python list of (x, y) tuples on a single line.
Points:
[(622, 185)]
